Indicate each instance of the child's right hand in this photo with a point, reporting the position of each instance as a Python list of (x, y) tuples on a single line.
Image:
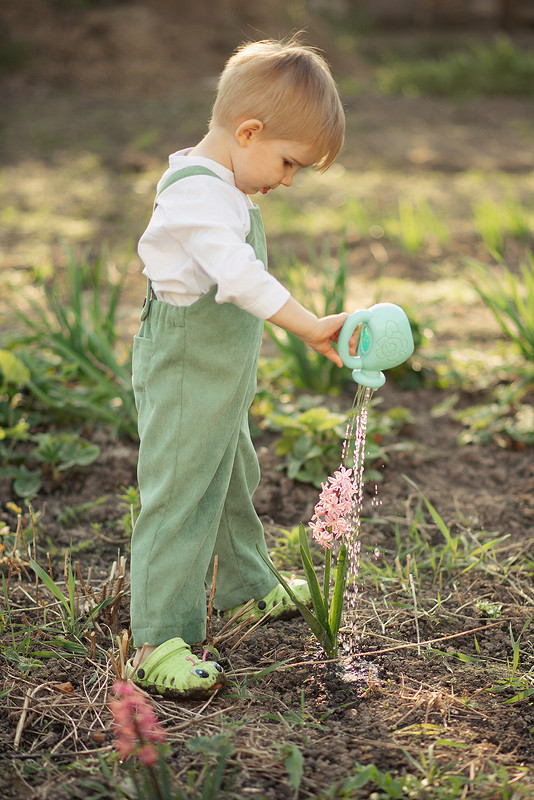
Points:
[(327, 332), (319, 334)]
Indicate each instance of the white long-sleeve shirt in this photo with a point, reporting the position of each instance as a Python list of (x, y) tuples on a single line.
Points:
[(196, 239)]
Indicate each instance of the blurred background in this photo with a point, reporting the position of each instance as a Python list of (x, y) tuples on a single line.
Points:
[(95, 94)]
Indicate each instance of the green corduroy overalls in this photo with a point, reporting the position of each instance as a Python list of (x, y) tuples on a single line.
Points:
[(194, 379)]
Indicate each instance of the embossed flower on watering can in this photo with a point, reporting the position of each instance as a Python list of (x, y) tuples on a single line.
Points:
[(391, 344)]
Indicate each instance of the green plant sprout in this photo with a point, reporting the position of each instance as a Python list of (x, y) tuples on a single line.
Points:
[(73, 514), (16, 652), (14, 425), (431, 776), (294, 764), (61, 451), (131, 501), (287, 550), (522, 685), (504, 420), (57, 452), (419, 552), (488, 608), (309, 443)]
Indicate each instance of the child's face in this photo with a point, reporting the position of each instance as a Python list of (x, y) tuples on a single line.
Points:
[(260, 164)]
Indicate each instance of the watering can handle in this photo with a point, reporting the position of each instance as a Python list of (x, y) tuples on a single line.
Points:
[(349, 326)]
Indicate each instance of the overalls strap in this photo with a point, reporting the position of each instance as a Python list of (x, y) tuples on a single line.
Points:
[(185, 172)]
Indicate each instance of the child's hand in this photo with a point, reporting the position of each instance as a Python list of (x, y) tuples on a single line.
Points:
[(327, 332), (319, 334)]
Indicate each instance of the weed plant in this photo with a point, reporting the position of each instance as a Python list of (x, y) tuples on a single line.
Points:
[(504, 420), (76, 366), (498, 67), (497, 222), (68, 612), (415, 225), (14, 424), (310, 370), (131, 501), (429, 550), (56, 452), (73, 623), (505, 416), (310, 441), (65, 369), (510, 298), (311, 438)]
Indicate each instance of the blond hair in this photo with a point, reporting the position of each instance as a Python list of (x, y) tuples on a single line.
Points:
[(289, 87)]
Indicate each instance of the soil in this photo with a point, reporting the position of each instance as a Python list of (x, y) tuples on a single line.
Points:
[(414, 692)]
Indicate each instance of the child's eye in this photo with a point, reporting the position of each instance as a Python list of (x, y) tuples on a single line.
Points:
[(287, 163)]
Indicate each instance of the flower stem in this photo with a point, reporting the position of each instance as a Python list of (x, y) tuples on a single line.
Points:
[(154, 781), (336, 608), (326, 581)]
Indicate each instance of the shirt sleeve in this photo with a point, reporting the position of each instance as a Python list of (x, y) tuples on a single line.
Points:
[(211, 222)]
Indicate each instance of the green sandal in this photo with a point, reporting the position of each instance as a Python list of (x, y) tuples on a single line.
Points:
[(277, 599), (172, 670)]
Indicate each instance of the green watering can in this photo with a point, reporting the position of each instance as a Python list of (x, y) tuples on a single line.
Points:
[(385, 341)]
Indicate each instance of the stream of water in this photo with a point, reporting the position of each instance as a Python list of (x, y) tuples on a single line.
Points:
[(353, 457)]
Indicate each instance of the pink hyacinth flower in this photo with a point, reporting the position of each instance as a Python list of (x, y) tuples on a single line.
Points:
[(343, 481), (135, 724), (333, 511)]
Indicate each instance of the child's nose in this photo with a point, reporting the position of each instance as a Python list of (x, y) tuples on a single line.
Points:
[(287, 180)]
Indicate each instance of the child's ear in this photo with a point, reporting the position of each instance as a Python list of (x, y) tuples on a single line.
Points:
[(248, 130)]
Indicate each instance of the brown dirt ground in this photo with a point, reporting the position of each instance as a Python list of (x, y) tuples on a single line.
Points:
[(390, 704)]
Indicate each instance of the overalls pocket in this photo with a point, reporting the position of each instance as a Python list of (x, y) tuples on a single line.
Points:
[(141, 360)]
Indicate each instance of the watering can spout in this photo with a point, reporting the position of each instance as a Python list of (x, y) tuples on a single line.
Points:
[(385, 341), (371, 378)]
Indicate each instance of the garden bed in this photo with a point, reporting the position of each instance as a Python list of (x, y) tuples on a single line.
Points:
[(446, 707)]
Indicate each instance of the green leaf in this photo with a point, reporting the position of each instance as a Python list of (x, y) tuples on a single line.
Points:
[(434, 514), (26, 483), (13, 369), (294, 764), (361, 778), (318, 601), (322, 635), (51, 585), (65, 450)]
